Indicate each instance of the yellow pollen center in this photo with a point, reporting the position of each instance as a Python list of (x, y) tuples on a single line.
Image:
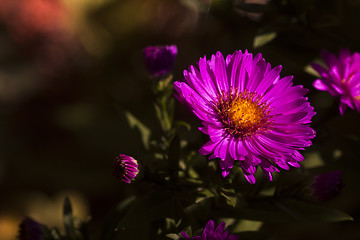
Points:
[(245, 113)]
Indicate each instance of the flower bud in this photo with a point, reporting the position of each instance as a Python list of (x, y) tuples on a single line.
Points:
[(125, 168), (320, 188), (159, 60), (326, 186), (29, 229)]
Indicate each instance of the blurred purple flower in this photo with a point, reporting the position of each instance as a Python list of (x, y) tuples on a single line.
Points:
[(159, 60), (249, 113), (341, 78), (125, 168), (210, 233), (30, 230), (326, 186)]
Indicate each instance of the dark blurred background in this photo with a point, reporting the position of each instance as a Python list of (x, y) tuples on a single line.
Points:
[(68, 66)]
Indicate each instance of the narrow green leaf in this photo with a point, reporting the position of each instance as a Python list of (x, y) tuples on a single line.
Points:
[(262, 39), (174, 152), (171, 110), (308, 69), (160, 204), (159, 115), (285, 211), (199, 210), (179, 124), (173, 236), (116, 216), (315, 213), (230, 195), (244, 225), (145, 132), (205, 193), (68, 218)]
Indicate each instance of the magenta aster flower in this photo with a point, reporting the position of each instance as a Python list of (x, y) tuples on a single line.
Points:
[(159, 60), (341, 78), (250, 114), (125, 168), (210, 233)]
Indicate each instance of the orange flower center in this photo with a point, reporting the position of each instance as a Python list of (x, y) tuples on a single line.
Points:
[(243, 114)]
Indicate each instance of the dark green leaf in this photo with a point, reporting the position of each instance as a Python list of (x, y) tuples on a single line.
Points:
[(120, 211), (285, 211), (246, 225), (174, 152), (312, 212), (205, 193), (68, 218), (158, 205), (178, 124), (230, 196), (145, 132), (198, 212), (173, 236)]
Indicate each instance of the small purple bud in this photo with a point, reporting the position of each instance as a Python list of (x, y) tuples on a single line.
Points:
[(320, 188), (159, 60), (326, 186), (29, 229), (125, 168)]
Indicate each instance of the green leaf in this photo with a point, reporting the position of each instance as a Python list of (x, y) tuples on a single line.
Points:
[(312, 212), (173, 236), (199, 212), (174, 152), (246, 225), (171, 110), (230, 196), (310, 70), (179, 124), (120, 211), (313, 160), (262, 39), (143, 212), (68, 218), (145, 132), (285, 211), (205, 193)]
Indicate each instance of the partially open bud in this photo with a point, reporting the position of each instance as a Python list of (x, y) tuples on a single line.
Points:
[(125, 168), (320, 188), (326, 186), (159, 60)]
